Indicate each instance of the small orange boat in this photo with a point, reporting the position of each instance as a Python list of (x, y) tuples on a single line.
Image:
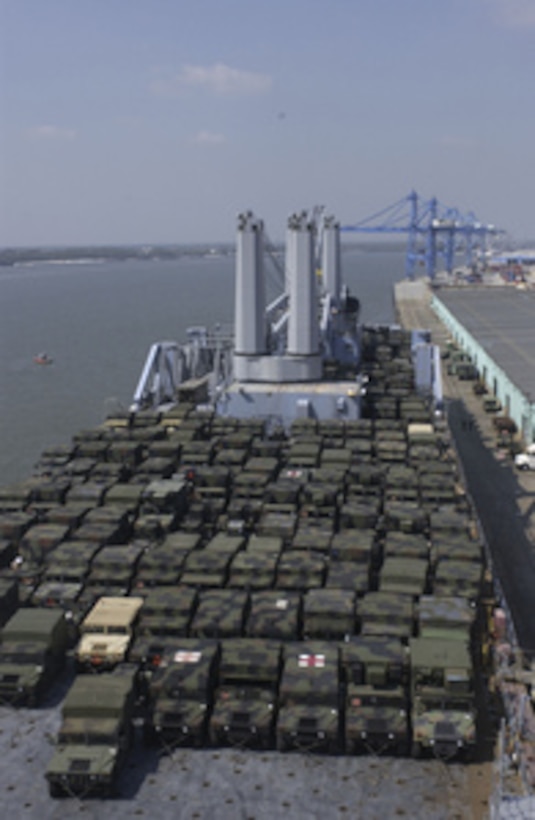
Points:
[(43, 358)]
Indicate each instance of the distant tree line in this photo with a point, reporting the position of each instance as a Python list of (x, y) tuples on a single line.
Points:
[(119, 253)]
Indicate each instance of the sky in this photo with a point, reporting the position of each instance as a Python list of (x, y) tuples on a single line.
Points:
[(148, 121)]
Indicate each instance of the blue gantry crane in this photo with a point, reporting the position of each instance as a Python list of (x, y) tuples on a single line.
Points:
[(433, 231)]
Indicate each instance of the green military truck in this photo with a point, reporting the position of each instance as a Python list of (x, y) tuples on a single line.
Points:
[(443, 700), (309, 707), (375, 672), (94, 737), (180, 694), (245, 702), (32, 653)]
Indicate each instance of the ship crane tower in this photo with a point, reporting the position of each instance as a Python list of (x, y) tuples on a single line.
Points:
[(433, 230)]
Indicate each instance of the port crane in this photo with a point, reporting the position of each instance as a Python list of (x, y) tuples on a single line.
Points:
[(433, 231)]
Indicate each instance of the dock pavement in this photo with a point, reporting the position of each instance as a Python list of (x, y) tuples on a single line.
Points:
[(504, 497)]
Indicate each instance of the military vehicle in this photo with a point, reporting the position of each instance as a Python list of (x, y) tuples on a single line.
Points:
[(443, 699), (405, 575), (106, 633), (220, 613), (245, 702), (386, 613), (329, 614), (274, 614), (180, 694), (253, 570), (449, 617), (94, 737), (113, 568), (40, 540), (70, 561), (309, 698), (161, 564), (376, 719), (32, 653), (458, 578)]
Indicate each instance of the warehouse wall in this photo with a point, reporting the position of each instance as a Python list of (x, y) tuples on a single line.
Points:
[(515, 404)]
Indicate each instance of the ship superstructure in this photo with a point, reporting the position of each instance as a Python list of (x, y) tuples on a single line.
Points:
[(297, 356)]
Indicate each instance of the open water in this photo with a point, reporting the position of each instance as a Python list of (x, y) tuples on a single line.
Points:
[(98, 320)]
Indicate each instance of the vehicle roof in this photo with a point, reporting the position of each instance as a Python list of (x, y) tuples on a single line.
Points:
[(116, 611)]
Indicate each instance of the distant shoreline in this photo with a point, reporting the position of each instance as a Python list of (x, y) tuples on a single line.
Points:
[(10, 257)]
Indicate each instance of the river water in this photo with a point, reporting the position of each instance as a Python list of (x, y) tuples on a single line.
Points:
[(98, 320)]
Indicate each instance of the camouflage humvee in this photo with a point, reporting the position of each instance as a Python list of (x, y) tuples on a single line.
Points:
[(357, 546), (443, 700), (90, 492), (71, 515), (304, 454), (309, 713), (253, 570), (458, 578), (329, 614), (406, 516), (245, 702), (110, 524), (286, 489), (206, 568), (79, 468), (321, 498), (128, 453), (249, 485), (274, 614), (447, 521), (220, 614), (94, 737), (70, 561), (406, 575), (359, 514), (273, 524), (456, 548), (406, 545), (376, 719), (375, 660), (40, 540), (115, 565), (165, 496), (387, 613), (154, 526), (348, 575), (167, 611), (300, 570), (15, 497), (243, 717), (447, 617), (126, 495), (264, 544), (313, 534), (61, 595), (14, 524), (32, 652), (240, 516), (180, 694), (162, 564)]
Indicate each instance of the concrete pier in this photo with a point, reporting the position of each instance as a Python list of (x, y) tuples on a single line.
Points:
[(504, 497)]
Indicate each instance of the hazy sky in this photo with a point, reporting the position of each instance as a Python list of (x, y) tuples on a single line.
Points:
[(159, 120)]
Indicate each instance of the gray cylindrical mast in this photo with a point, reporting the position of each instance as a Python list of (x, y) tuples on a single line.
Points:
[(250, 299), (331, 258), (303, 335)]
